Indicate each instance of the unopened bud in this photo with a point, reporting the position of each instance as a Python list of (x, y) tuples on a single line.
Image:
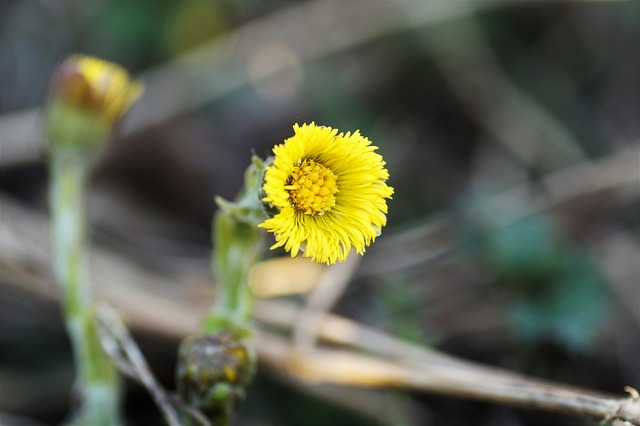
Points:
[(213, 374), (87, 97)]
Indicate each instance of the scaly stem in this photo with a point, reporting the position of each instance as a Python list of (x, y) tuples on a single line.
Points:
[(216, 366), (237, 242), (97, 382), (237, 249)]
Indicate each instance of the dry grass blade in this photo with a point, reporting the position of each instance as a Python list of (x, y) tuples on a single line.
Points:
[(348, 368), (473, 72), (25, 260), (120, 346), (329, 289)]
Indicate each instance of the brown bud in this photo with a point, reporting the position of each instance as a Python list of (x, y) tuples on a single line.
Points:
[(214, 372)]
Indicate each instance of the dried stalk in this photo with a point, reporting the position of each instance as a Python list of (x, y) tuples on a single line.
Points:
[(330, 287), (121, 348), (473, 72), (24, 258), (348, 368), (409, 366)]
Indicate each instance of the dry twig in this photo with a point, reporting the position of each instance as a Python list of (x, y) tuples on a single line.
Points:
[(328, 290), (121, 348), (24, 258)]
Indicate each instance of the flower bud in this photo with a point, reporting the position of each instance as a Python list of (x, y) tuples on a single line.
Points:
[(213, 374), (87, 97)]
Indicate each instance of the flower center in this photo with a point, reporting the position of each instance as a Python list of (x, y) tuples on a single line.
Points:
[(312, 188)]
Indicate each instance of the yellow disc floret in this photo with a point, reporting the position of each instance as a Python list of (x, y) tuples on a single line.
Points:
[(312, 187)]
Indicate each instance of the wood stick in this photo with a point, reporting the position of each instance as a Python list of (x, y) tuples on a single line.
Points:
[(399, 364)]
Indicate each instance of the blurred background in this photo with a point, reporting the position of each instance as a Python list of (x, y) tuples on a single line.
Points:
[(511, 131)]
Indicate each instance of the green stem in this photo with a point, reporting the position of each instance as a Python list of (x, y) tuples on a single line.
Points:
[(237, 242), (97, 381), (237, 249), (216, 367)]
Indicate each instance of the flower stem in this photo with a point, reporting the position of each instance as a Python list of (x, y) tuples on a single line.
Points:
[(97, 382), (238, 243), (216, 366), (236, 251)]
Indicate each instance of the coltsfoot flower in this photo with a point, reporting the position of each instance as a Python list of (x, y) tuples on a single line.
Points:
[(328, 191), (87, 97)]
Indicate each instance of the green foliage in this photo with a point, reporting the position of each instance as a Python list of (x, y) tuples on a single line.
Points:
[(555, 291), (130, 30), (150, 31), (402, 304), (569, 307), (527, 248)]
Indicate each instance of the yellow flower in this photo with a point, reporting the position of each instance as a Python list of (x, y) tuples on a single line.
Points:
[(87, 97), (329, 191)]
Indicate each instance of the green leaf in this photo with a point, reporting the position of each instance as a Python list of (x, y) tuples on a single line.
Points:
[(569, 308)]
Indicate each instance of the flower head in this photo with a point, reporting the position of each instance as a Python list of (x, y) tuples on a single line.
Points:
[(214, 372), (329, 192), (87, 97)]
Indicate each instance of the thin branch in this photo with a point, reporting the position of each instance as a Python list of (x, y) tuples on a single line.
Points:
[(329, 289), (428, 370), (24, 256), (473, 72), (436, 239), (618, 170), (124, 352), (119, 345), (348, 368), (617, 256)]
